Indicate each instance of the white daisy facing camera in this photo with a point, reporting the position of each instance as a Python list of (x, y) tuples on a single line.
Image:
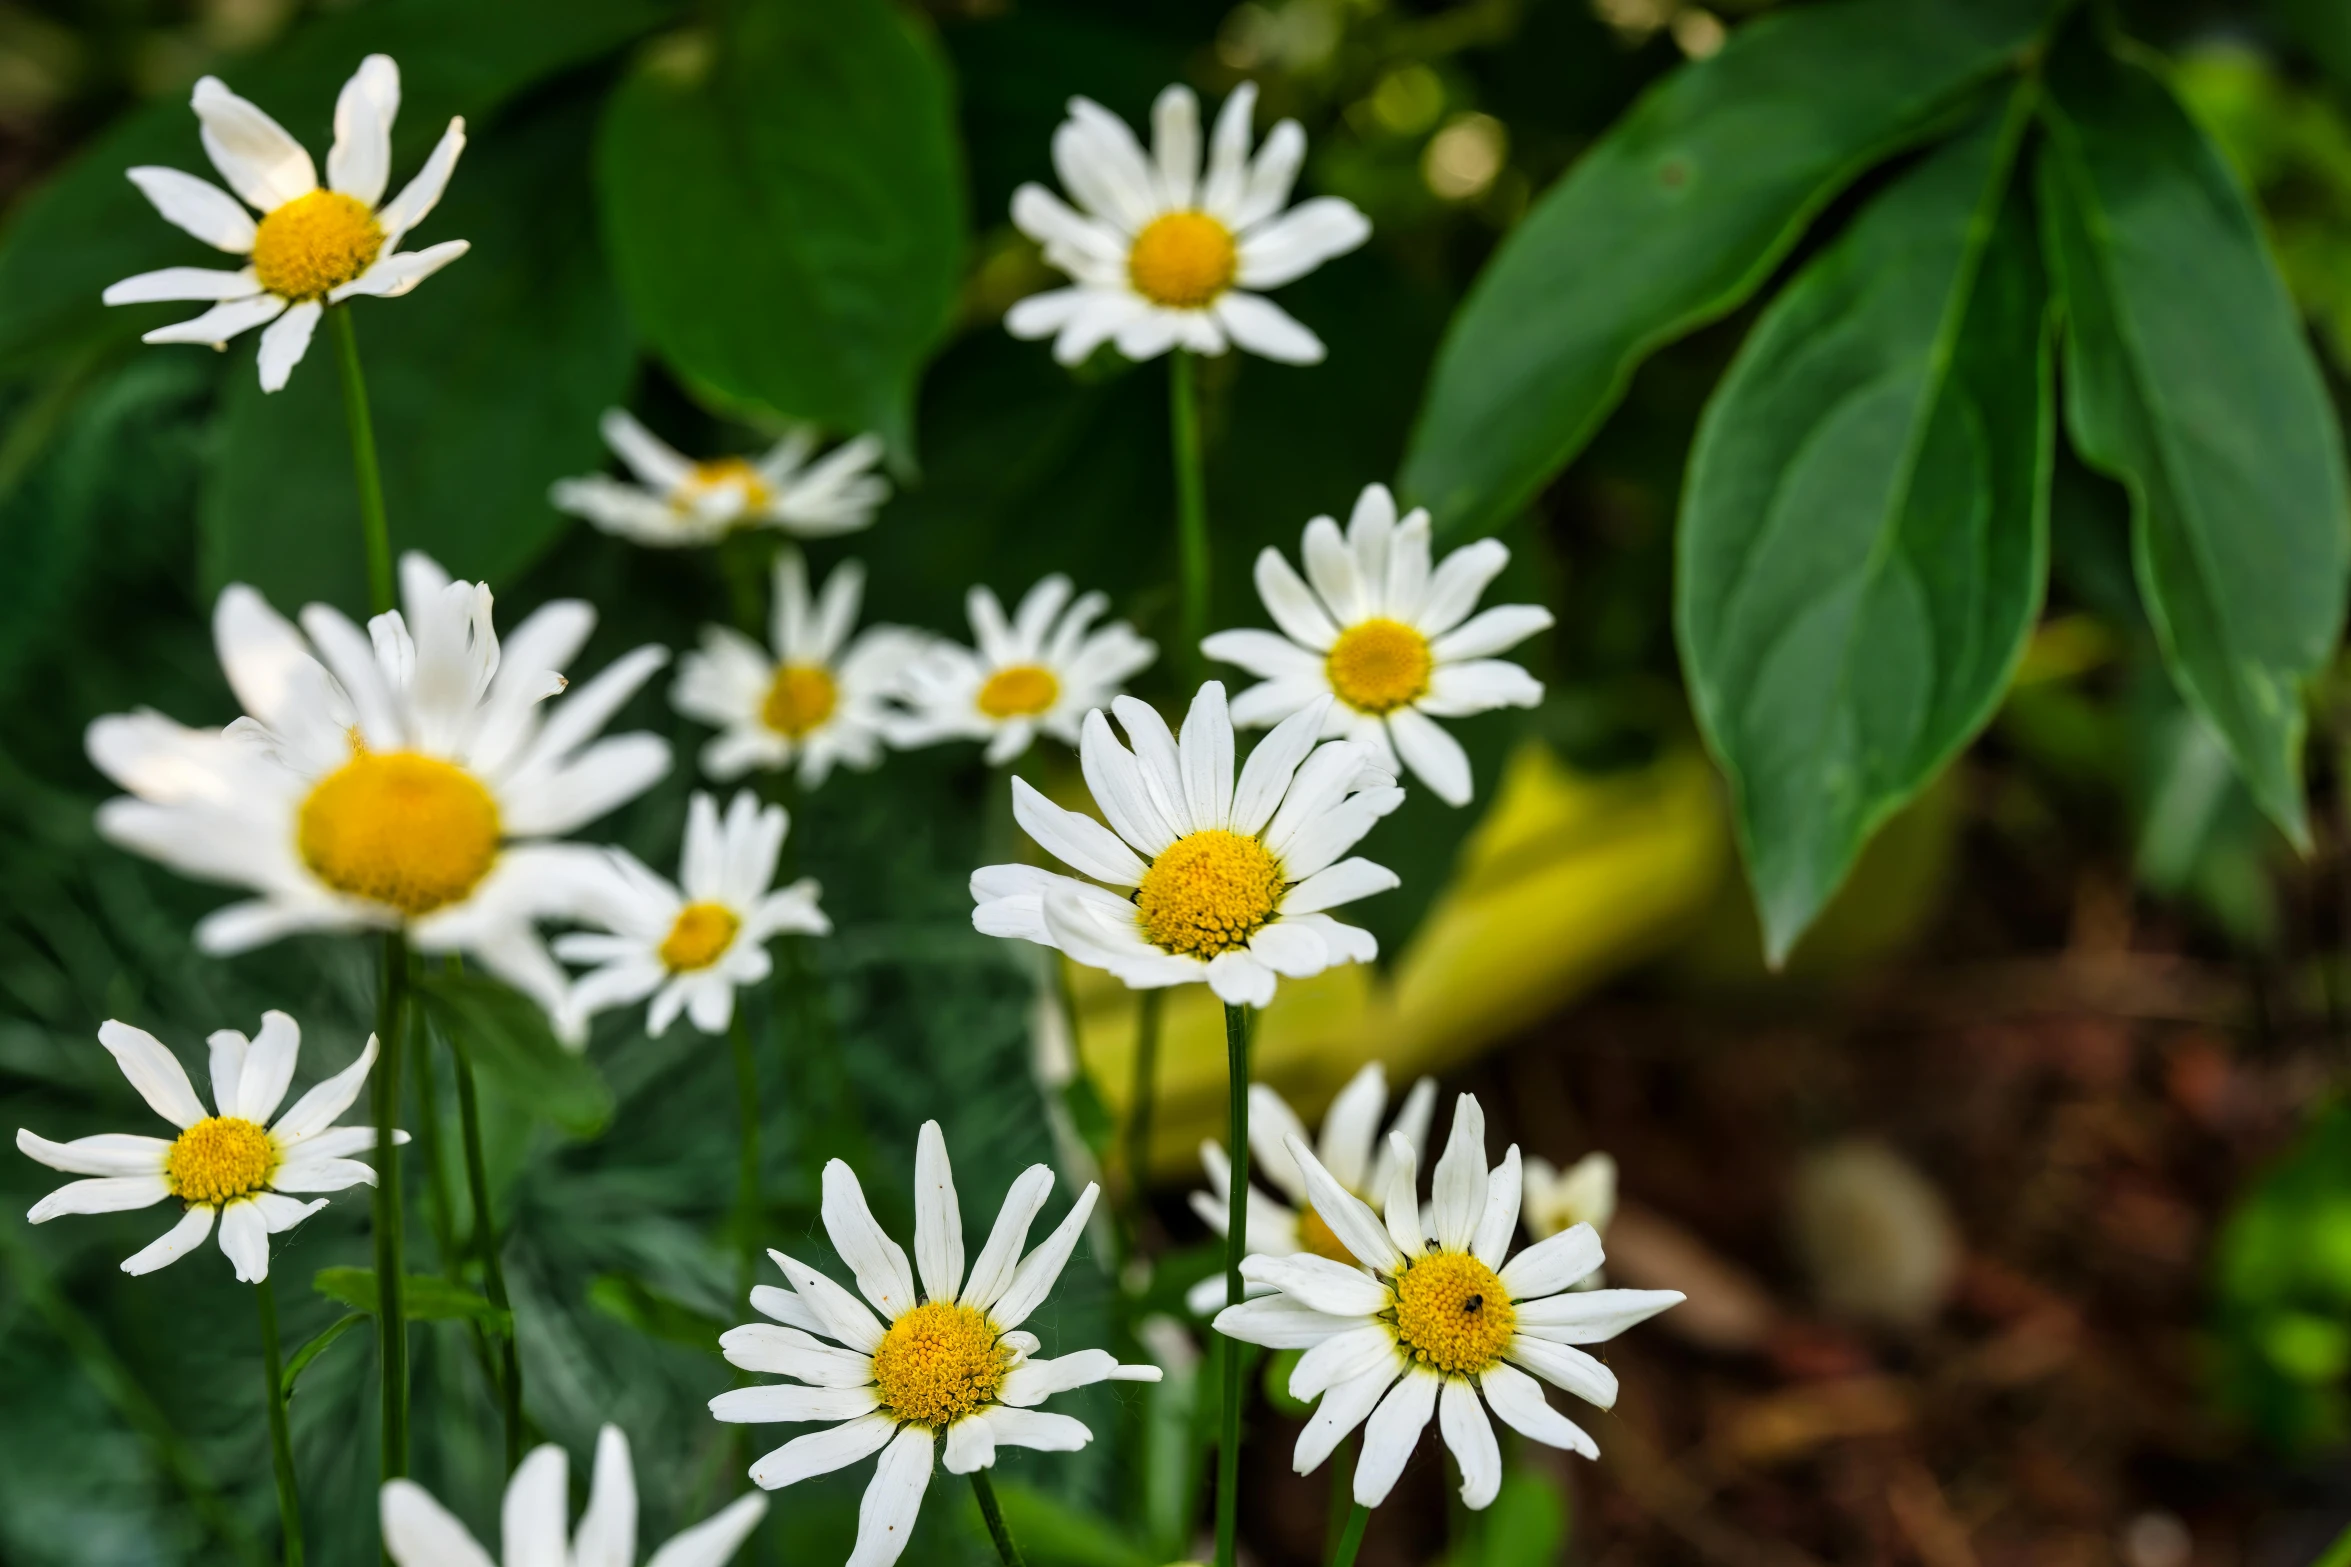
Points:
[(1040, 671)]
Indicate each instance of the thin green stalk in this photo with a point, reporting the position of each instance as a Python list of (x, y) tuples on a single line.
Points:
[(280, 1445), (428, 1149), (747, 1184), (1228, 1457), (1351, 1538), (485, 1239), (2339, 1553), (1140, 1098), (986, 1492), (1191, 501), (391, 1314), (373, 527)]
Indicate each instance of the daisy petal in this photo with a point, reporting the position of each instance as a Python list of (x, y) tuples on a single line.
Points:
[(1175, 145), (885, 1517), (316, 1110), (1035, 1428), (784, 1401), (244, 1240), (1266, 776), (1392, 1432), (1490, 631), (1301, 239), (154, 1071), (1267, 330), (1077, 841), (261, 163), (1342, 1358), (1342, 1409), (198, 207), (1336, 884), (106, 1153), (1318, 1283), (822, 1452), (1550, 1266), (1036, 1275), (1592, 1316), (714, 1541), (787, 1352), (223, 321), (530, 1523), (1462, 1422), (268, 1068), (1457, 582), (1278, 1322), (1499, 1219), (1457, 1191), (173, 1244), (1292, 604), (419, 1532), (361, 159), (843, 1314), (174, 283), (395, 275), (101, 1194), (1566, 1367), (999, 1259), (938, 1219), (418, 198), (1518, 1399), (1478, 685)]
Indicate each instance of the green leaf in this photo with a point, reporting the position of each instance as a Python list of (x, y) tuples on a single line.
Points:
[(627, 1299), (1052, 1533), (423, 1296), (784, 209), (2189, 379), (301, 1359), (1864, 536), (507, 1039), (1673, 219)]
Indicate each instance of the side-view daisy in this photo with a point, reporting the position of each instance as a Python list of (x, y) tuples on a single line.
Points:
[(1163, 258), (1391, 640), (236, 1166), (1213, 884), (689, 947), (678, 501), (1351, 1148), (409, 776), (822, 697), (952, 1367), (420, 1532), (1433, 1314), (1583, 1193), (313, 246), (1044, 669)]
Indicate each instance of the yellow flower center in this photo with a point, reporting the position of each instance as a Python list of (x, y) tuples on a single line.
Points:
[(938, 1363), (1377, 666), (1019, 691), (723, 473), (1317, 1236), (802, 697), (315, 243), (394, 827), (1208, 892), (1183, 260), (219, 1160), (1453, 1313), (700, 937)]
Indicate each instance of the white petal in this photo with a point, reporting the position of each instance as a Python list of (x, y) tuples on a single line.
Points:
[(1228, 157), (406, 210), (1565, 1366), (1351, 1126), (1240, 980), (971, 1445), (1039, 1429), (885, 1517), (1392, 1432), (1342, 1409), (1157, 758), (1267, 330), (1400, 1202), (199, 207), (788, 1352), (785, 1401), (268, 1068), (1334, 885), (1300, 240), (938, 1218), (1262, 653), (1265, 778), (1102, 165), (1342, 1358), (1518, 1399), (1494, 631), (102, 1194), (222, 322), (1434, 756), (843, 1314), (361, 159), (714, 1540), (1271, 175), (1460, 577), (1038, 1271), (261, 163), (1278, 1322), (182, 283), (1205, 749), (788, 1308), (531, 1532), (822, 1452), (1457, 1190), (106, 1153), (1591, 1316), (1479, 685), (1470, 1435), (999, 1259), (419, 1532), (1175, 144), (1115, 779), (244, 1240), (1318, 1283), (1357, 1228), (1077, 841), (1498, 1221), (1033, 1381), (400, 272), (228, 1049), (154, 1071), (1292, 604), (1548, 1267), (173, 1244)]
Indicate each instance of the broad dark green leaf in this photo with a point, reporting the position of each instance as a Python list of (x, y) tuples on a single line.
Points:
[(1864, 538), (2189, 379), (785, 212), (424, 1297), (1673, 219), (507, 1038)]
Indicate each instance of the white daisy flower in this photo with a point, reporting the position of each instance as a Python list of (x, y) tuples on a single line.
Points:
[(954, 1366), (420, 1532), (677, 501), (1163, 258), (1394, 642), (1214, 884), (406, 777), (236, 1166), (1583, 1193), (1431, 1315), (1044, 669), (689, 949), (820, 698), (1352, 1149), (313, 247)]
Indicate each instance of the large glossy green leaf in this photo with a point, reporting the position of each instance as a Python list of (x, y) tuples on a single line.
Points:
[(2189, 379), (1674, 218), (785, 211), (1864, 537)]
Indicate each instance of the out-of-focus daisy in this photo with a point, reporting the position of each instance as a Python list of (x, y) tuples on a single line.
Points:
[(1044, 669), (420, 1532), (409, 776), (1583, 1193), (236, 1166), (952, 1367), (313, 246), (677, 501), (1214, 884), (1163, 258), (690, 949), (822, 697), (1394, 642), (1352, 1149), (1432, 1314)]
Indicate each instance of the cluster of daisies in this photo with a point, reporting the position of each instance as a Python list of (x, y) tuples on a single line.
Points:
[(424, 775)]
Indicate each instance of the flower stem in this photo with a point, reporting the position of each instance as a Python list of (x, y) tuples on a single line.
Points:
[(1139, 1103), (384, 1098), (747, 1188), (1191, 502), (376, 532), (986, 1492), (280, 1446), (485, 1239), (1228, 1456), (1350, 1538)]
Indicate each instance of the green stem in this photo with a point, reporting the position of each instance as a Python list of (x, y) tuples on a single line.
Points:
[(2339, 1553), (428, 1148), (1191, 501), (1350, 1538), (374, 529), (391, 1318), (1228, 1457), (747, 1184), (986, 1492), (280, 1445), (485, 1239), (1140, 1099)]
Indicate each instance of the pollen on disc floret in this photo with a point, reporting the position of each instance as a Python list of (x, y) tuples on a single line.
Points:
[(315, 244), (700, 937), (1208, 892), (400, 828), (799, 700), (220, 1159), (938, 1363), (1183, 260), (1019, 691), (1453, 1313), (1379, 665)]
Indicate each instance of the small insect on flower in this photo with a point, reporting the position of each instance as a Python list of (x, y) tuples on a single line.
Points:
[(312, 247), (1041, 671), (677, 501), (953, 1367), (236, 1165)]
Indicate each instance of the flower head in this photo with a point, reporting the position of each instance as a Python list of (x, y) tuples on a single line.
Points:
[(1215, 884), (1351, 1149), (677, 501), (1429, 1314), (1583, 1193), (1163, 258), (909, 1373), (1392, 643), (409, 776), (313, 247), (419, 1532), (690, 946), (822, 697), (235, 1165), (1042, 670)]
